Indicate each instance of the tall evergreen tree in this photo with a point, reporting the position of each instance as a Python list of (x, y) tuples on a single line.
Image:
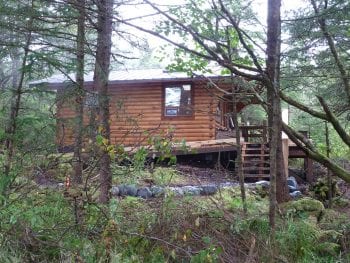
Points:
[(102, 64), (80, 92)]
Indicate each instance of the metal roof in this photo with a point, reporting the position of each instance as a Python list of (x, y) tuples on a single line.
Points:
[(125, 76)]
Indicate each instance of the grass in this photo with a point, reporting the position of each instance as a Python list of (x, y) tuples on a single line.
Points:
[(46, 225), (160, 176)]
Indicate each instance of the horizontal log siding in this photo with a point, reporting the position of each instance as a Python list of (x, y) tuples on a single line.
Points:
[(65, 117), (136, 109)]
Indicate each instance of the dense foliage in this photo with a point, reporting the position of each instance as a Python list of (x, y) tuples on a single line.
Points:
[(43, 218)]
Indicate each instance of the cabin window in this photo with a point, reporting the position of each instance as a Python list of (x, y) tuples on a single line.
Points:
[(91, 100), (178, 100)]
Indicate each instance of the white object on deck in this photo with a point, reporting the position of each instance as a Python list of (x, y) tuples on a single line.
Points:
[(285, 119)]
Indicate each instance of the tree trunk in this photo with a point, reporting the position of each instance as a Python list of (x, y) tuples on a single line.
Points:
[(103, 55), (11, 127), (239, 160), (79, 100), (282, 190), (329, 175), (273, 142), (277, 177)]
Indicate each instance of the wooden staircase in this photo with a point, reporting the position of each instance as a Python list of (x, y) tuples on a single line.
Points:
[(255, 160)]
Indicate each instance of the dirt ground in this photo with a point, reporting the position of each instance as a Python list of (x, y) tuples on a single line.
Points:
[(199, 175)]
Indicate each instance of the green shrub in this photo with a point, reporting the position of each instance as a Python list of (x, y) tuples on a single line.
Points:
[(320, 189), (296, 240)]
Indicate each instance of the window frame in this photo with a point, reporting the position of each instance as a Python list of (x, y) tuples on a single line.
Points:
[(177, 117), (91, 100)]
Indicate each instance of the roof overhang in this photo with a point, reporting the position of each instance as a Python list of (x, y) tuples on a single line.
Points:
[(131, 77)]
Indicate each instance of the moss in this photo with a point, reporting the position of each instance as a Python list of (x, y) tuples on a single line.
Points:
[(306, 205), (262, 191), (320, 189), (329, 215), (329, 236), (341, 202), (328, 249)]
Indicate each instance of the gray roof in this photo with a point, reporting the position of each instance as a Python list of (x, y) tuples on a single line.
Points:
[(125, 76)]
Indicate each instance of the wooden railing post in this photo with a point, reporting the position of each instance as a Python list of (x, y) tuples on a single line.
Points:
[(265, 135)]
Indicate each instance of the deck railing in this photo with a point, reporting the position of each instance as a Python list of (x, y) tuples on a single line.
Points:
[(254, 133), (249, 133)]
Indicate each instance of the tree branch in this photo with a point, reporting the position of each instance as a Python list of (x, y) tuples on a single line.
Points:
[(302, 107), (335, 122), (342, 70), (241, 38), (212, 56), (310, 151)]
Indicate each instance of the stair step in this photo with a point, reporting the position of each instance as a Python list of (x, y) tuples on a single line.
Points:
[(256, 150), (257, 175), (256, 168), (257, 155), (250, 143), (256, 162)]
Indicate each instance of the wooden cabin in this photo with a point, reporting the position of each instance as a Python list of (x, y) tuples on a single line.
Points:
[(148, 103)]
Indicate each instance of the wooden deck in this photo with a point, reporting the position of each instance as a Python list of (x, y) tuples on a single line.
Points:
[(255, 150), (290, 150), (218, 145), (208, 146)]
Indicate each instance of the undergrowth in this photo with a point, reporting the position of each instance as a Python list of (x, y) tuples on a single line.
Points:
[(51, 225)]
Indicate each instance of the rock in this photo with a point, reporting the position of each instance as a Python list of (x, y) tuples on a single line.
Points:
[(304, 189), (122, 190), (262, 183), (293, 186), (157, 190), (228, 185), (130, 190), (291, 189), (292, 182), (191, 190), (60, 185), (208, 190), (177, 191), (115, 190), (295, 194), (308, 205), (328, 249), (144, 193)]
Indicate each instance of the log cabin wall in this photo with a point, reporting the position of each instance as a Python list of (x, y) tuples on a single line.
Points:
[(137, 112), (65, 117)]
